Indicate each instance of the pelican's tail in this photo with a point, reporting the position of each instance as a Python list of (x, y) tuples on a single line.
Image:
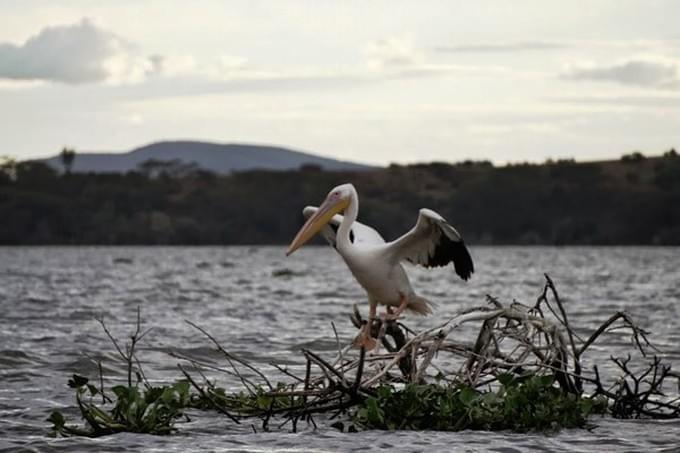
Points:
[(420, 305)]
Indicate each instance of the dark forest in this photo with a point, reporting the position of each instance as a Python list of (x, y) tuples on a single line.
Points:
[(634, 200)]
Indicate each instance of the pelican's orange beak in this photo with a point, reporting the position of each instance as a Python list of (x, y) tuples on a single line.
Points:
[(323, 215)]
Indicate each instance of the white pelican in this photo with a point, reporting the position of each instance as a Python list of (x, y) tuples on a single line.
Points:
[(376, 264)]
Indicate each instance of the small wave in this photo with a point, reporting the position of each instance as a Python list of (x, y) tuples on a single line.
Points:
[(286, 272), (12, 357), (123, 260)]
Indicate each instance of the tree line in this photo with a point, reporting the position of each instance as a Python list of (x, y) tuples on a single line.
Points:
[(633, 200)]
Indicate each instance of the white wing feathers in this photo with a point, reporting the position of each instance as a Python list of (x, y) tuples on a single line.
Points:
[(433, 242)]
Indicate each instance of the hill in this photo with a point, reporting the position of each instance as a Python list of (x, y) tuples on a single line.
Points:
[(629, 201), (215, 157)]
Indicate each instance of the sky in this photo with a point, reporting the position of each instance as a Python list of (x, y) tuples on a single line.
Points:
[(371, 81)]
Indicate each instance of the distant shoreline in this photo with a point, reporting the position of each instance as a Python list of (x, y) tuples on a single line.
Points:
[(631, 201)]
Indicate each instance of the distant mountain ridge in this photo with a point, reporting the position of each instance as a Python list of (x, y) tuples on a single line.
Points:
[(216, 157)]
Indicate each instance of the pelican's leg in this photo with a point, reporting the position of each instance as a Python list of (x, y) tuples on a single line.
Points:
[(392, 315), (364, 339), (372, 310)]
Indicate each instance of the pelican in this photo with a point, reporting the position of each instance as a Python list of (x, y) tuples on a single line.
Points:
[(377, 264)]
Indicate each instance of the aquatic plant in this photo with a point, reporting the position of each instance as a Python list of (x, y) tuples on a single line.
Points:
[(521, 403), (152, 410), (524, 371), (138, 407)]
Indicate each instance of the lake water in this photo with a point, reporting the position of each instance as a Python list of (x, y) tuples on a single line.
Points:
[(49, 298)]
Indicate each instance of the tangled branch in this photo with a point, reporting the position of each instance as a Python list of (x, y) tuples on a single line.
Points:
[(514, 339)]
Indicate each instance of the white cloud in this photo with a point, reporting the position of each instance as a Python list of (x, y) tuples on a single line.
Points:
[(503, 47), (655, 72), (74, 54), (398, 57), (514, 128), (392, 52), (669, 101), (83, 53), (132, 119), (222, 67), (653, 45)]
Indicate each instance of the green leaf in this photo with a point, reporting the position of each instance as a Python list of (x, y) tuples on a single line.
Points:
[(153, 393), (77, 381), (586, 406), (182, 387), (546, 381), (384, 391), (490, 399), (263, 401), (168, 395), (467, 396), (506, 379), (57, 419), (374, 414), (121, 391)]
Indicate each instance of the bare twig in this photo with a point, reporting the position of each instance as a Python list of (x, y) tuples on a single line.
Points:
[(513, 338), (231, 357), (205, 395)]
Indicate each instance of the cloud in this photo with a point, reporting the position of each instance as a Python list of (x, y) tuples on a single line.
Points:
[(653, 102), (646, 72), (390, 58), (503, 47), (399, 58), (653, 45), (83, 53), (392, 52), (513, 128), (75, 54)]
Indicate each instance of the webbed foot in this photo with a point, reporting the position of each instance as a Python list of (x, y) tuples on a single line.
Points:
[(365, 340)]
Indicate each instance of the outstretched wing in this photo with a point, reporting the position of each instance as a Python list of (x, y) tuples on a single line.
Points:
[(359, 233), (433, 242)]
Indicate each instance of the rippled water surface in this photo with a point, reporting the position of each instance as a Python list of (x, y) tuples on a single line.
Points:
[(50, 296)]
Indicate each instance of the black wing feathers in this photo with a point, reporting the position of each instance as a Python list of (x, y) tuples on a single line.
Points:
[(448, 251), (445, 245)]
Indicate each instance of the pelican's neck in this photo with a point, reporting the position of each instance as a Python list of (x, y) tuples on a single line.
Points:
[(349, 216)]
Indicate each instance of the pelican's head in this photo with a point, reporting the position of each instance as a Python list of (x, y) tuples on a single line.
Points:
[(336, 202)]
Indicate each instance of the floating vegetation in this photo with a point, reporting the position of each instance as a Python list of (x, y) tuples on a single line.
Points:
[(524, 372), (152, 410), (521, 403), (138, 407)]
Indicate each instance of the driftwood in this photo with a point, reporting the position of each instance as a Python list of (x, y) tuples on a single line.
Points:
[(513, 339)]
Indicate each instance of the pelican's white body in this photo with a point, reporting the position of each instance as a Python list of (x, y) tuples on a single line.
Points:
[(376, 264), (385, 282)]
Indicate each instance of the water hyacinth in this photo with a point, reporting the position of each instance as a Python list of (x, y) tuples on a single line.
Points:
[(523, 373)]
